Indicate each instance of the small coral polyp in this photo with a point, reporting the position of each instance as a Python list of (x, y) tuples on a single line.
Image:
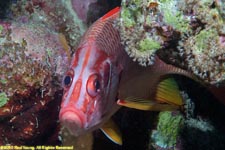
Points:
[(205, 56), (143, 50), (140, 42)]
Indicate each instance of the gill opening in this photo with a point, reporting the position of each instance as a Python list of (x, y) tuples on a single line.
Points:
[(109, 80)]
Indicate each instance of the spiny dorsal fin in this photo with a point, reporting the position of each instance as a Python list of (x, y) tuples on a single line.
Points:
[(111, 13), (105, 36)]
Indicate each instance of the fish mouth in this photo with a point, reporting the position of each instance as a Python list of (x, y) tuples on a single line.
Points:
[(73, 120)]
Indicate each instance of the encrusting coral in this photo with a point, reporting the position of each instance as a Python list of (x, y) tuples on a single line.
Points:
[(166, 134), (187, 33), (203, 49), (148, 26)]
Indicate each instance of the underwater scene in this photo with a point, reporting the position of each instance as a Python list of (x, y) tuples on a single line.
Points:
[(112, 75)]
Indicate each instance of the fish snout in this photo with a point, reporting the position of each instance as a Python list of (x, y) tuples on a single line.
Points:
[(73, 120)]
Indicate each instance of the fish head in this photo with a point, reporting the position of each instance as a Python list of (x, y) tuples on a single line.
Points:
[(90, 90)]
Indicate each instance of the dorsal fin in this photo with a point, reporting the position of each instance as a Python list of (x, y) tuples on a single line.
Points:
[(110, 13), (104, 35)]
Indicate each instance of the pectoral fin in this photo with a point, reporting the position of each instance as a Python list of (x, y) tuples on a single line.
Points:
[(167, 97), (111, 130)]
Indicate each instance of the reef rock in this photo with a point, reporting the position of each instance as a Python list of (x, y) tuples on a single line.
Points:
[(32, 63), (59, 17)]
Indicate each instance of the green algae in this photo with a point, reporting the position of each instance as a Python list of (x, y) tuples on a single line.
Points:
[(173, 16), (3, 99), (1, 29), (200, 45), (3, 81), (149, 44), (133, 14), (49, 52), (168, 129), (128, 18), (176, 21), (206, 2)]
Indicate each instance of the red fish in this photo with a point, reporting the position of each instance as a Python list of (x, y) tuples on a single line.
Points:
[(91, 83), (101, 72)]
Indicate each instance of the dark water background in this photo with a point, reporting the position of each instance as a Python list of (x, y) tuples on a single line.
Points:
[(4, 5)]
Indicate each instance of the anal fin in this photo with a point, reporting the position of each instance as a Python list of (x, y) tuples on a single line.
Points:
[(111, 130)]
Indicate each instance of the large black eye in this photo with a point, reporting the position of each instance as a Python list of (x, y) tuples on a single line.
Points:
[(97, 85), (67, 80)]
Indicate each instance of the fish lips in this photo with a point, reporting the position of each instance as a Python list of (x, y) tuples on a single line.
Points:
[(73, 120)]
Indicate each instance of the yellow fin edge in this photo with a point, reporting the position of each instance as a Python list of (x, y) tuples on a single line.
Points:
[(111, 130), (147, 105)]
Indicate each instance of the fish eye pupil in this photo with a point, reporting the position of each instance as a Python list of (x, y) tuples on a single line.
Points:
[(67, 80), (97, 85)]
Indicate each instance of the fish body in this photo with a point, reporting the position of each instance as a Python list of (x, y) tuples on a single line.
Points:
[(101, 73)]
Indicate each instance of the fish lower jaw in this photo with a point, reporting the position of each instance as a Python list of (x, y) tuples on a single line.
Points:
[(72, 121)]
